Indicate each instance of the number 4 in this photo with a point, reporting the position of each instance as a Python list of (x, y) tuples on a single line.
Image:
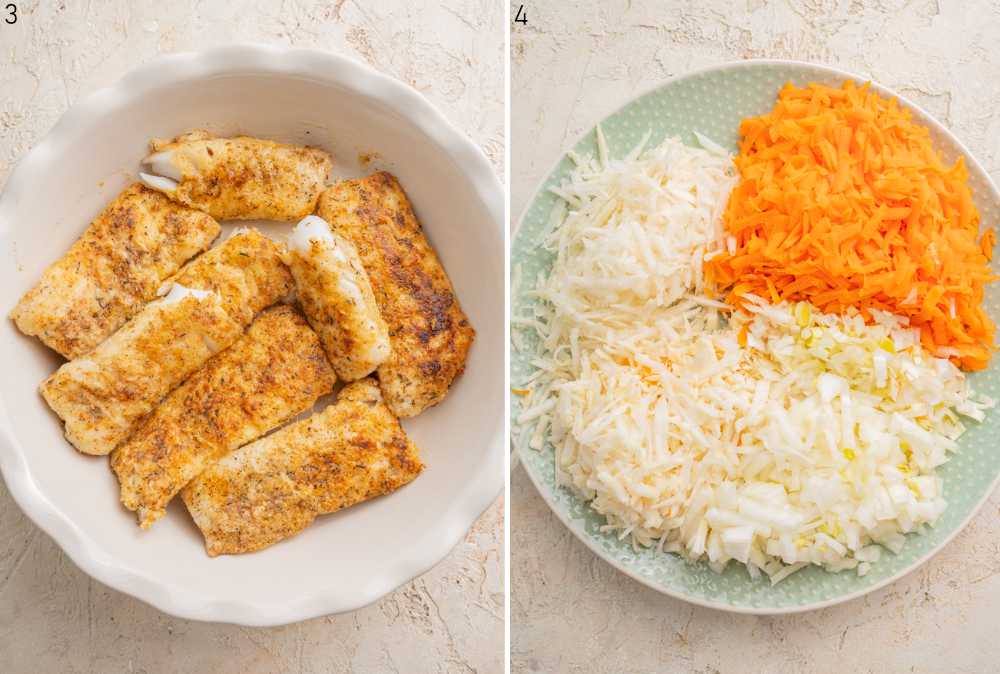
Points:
[(521, 16)]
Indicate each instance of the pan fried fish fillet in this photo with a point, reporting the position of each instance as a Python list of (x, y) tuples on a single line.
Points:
[(246, 270), (102, 396), (275, 371), (275, 487), (238, 178), (429, 334), (112, 270), (337, 298)]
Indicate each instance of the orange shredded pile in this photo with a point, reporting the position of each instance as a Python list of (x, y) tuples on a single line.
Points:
[(843, 202)]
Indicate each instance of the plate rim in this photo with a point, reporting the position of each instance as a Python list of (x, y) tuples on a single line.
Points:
[(481, 489), (578, 530)]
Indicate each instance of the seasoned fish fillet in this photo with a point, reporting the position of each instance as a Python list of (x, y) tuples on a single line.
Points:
[(274, 488), (103, 395), (275, 371), (246, 270), (337, 298), (115, 268), (429, 334), (238, 178)]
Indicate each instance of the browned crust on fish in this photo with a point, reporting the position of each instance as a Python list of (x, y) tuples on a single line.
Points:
[(247, 271), (429, 333), (103, 395), (274, 488), (275, 371), (245, 178), (350, 327), (112, 270)]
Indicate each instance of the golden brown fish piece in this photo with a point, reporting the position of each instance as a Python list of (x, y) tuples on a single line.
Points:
[(274, 488), (103, 395), (429, 334), (246, 270), (275, 371), (238, 178), (337, 298), (112, 270)]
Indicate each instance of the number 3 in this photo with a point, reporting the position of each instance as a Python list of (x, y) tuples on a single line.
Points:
[(12, 8)]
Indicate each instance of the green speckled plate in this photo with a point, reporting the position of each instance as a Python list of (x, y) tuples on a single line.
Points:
[(713, 102)]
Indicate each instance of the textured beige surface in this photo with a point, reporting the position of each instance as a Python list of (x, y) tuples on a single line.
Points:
[(53, 618), (578, 61)]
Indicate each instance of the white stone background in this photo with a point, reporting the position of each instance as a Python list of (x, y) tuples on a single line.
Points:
[(574, 63), (54, 618)]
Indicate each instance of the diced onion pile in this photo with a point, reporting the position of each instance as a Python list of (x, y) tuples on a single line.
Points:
[(779, 437)]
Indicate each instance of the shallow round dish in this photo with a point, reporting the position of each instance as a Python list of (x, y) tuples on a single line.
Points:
[(368, 121), (713, 101)]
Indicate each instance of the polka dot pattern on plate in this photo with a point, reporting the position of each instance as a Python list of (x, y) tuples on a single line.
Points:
[(713, 102)]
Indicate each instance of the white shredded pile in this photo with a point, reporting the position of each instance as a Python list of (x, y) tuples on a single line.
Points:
[(778, 439)]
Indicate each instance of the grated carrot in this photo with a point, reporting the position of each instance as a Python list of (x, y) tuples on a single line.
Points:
[(520, 391), (843, 201)]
